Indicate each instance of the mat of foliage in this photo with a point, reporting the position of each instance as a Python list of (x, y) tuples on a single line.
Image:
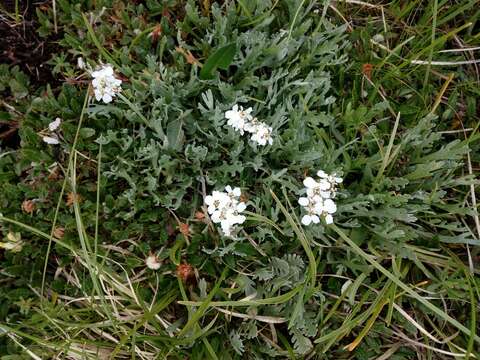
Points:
[(396, 275)]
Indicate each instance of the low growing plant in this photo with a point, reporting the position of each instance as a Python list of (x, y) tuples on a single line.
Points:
[(185, 115)]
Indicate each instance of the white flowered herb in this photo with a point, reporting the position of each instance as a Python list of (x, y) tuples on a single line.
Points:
[(262, 134), (225, 208), (105, 84), (238, 118), (242, 121), (319, 200)]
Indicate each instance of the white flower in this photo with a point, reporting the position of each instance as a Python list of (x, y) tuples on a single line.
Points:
[(317, 188), (152, 262), (319, 200), (234, 217), (238, 118), (241, 207), (333, 179), (54, 124), (330, 182), (252, 125), (217, 216), (328, 219), (310, 183), (216, 201), (51, 140), (241, 120), (303, 201), (236, 192), (105, 84), (329, 206), (308, 219), (226, 209), (262, 134)]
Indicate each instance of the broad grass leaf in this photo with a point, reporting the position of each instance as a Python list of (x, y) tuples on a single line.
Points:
[(221, 58)]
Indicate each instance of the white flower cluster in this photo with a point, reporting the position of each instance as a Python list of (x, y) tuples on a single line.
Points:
[(105, 84), (225, 208), (319, 200), (241, 120)]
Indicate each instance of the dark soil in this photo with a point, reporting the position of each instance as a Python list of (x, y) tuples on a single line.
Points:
[(20, 43)]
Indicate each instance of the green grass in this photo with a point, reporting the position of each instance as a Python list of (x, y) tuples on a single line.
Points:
[(404, 135)]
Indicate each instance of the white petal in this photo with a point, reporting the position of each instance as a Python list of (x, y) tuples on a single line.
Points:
[(329, 219), (303, 201), (230, 114), (222, 198), (324, 184), (315, 219), (216, 216), (250, 127), (338, 180), (107, 98), (54, 124), (311, 192), (241, 207), (329, 206), (228, 189), (211, 209), (51, 140), (237, 192), (326, 194), (310, 182), (306, 220), (322, 174), (226, 222), (108, 70), (209, 199), (240, 219), (318, 208)]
